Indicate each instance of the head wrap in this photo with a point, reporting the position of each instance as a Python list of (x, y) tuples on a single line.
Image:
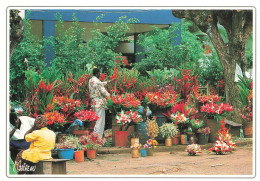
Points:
[(40, 122)]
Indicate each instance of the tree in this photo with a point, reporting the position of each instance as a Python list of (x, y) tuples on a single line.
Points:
[(16, 30), (238, 25)]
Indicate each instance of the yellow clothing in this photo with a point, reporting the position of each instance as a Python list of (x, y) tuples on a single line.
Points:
[(42, 142)]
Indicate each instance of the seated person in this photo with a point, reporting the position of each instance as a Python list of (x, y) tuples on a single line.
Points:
[(17, 128), (42, 142)]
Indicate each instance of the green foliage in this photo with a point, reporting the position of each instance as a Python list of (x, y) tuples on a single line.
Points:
[(158, 46), (168, 130), (70, 51), (249, 52), (30, 48), (245, 87), (196, 125), (102, 53), (190, 51), (164, 76)]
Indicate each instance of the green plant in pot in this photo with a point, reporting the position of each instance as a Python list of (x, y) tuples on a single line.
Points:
[(168, 131)]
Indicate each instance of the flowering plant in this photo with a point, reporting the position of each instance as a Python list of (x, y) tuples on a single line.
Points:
[(209, 98), (152, 128), (147, 146), (56, 120), (92, 141), (151, 143), (212, 109), (204, 130), (158, 101), (128, 117), (70, 142), (224, 142), (193, 149), (124, 101), (181, 115), (196, 124), (136, 146), (86, 115), (168, 130)]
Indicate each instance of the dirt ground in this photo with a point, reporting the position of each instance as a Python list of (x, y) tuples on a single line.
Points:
[(240, 162)]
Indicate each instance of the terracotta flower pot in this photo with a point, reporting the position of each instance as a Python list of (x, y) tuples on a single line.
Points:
[(91, 154), (168, 141), (79, 156), (248, 130), (135, 153), (121, 138), (176, 140)]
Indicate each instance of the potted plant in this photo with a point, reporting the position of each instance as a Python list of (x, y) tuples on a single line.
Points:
[(193, 149), (66, 150), (203, 135), (181, 115), (152, 128), (124, 119), (143, 151), (134, 138), (79, 153), (92, 142), (168, 131), (151, 145), (135, 150), (87, 117)]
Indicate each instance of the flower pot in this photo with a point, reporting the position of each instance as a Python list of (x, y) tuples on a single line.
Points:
[(176, 140), (203, 139), (143, 153), (192, 153), (135, 153), (79, 156), (65, 153), (134, 141), (150, 152), (183, 139), (168, 141), (80, 133), (121, 138), (91, 154), (248, 130)]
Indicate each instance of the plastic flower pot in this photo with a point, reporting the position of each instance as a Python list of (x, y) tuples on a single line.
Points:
[(91, 154), (135, 153), (150, 152), (79, 156), (143, 153), (168, 141), (203, 139), (121, 138), (65, 153)]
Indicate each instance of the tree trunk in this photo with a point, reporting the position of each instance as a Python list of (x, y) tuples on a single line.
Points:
[(238, 24)]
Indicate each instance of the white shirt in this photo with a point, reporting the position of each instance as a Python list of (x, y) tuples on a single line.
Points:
[(26, 124)]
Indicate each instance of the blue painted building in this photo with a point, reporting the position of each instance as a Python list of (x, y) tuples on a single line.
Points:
[(43, 24)]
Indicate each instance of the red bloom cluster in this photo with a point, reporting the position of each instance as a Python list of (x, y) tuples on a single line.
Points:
[(114, 76), (212, 108), (162, 100), (43, 86), (224, 140), (85, 115), (209, 98), (93, 139), (54, 117), (127, 100)]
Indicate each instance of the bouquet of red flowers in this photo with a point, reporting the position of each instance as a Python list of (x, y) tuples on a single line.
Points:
[(212, 109), (86, 115), (224, 142), (92, 141), (128, 117)]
